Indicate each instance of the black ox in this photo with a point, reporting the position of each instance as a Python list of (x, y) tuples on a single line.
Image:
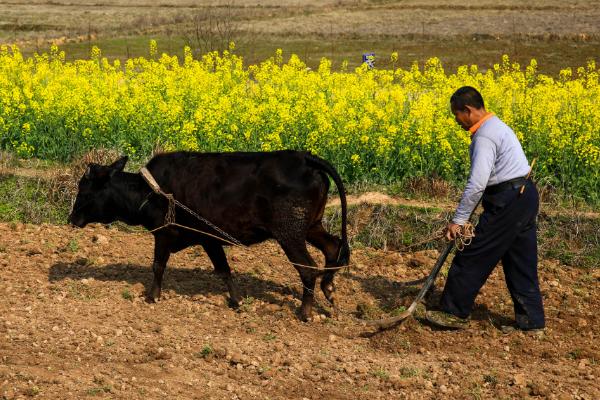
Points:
[(250, 196)]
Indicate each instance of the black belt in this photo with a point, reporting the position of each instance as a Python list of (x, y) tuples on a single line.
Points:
[(508, 185)]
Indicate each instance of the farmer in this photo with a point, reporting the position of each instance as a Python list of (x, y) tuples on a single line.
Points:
[(507, 227)]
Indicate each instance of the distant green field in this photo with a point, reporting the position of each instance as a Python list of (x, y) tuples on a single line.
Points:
[(551, 55), (558, 34)]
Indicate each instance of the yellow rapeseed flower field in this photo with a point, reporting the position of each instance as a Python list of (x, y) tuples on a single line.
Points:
[(376, 125)]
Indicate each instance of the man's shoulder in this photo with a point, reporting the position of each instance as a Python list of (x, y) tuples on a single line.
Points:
[(493, 128)]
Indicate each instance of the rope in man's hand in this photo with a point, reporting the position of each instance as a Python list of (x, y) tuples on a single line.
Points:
[(463, 236)]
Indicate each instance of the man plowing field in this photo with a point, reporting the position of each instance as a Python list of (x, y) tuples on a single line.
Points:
[(506, 231)]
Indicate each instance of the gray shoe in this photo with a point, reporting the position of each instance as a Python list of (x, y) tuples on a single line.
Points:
[(446, 320), (420, 311), (508, 329)]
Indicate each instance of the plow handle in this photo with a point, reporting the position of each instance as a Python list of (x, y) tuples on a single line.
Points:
[(434, 272)]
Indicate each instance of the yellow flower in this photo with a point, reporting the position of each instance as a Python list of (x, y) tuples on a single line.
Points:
[(381, 124), (153, 48)]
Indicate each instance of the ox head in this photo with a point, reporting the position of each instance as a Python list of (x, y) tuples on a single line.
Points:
[(96, 196)]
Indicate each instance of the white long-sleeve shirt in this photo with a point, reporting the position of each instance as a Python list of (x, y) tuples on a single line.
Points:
[(496, 157)]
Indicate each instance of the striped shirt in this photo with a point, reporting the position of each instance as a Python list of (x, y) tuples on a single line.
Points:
[(496, 157)]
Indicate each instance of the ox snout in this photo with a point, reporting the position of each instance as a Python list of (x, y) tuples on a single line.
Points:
[(76, 220)]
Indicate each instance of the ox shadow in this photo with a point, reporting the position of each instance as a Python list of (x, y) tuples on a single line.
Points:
[(183, 281)]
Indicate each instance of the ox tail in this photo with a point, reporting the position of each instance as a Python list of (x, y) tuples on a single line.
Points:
[(325, 166)]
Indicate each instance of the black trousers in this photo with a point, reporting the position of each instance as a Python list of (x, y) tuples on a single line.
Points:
[(506, 232)]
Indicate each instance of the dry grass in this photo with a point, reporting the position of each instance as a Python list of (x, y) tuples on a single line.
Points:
[(442, 22), (7, 162), (430, 187), (62, 184), (26, 22), (573, 238)]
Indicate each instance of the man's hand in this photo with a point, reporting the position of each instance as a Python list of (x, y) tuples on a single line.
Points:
[(452, 231)]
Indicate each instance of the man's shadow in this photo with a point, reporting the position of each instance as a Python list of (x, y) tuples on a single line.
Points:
[(392, 294)]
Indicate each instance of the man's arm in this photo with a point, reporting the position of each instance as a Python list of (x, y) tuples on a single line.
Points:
[(482, 164)]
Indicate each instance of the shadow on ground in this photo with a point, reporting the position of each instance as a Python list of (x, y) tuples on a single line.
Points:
[(390, 295), (183, 281)]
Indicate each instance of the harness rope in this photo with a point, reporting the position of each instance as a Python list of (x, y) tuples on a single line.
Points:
[(463, 238)]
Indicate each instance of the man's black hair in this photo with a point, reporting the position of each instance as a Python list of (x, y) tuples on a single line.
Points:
[(466, 96)]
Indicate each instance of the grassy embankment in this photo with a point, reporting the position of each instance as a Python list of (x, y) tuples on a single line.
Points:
[(30, 193)]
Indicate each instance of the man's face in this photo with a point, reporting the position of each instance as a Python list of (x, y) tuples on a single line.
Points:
[(463, 118)]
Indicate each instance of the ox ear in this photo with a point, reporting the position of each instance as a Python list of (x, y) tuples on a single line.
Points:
[(118, 165), (94, 171)]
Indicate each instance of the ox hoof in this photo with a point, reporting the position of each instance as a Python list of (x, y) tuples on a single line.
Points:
[(331, 301), (152, 299), (305, 316), (153, 295), (328, 291), (234, 303)]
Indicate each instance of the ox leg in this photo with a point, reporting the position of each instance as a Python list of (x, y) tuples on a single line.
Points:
[(161, 256), (298, 255), (217, 256), (329, 246)]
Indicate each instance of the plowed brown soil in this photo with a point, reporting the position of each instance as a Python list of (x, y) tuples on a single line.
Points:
[(74, 324)]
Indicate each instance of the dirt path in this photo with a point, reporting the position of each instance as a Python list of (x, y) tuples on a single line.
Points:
[(382, 198), (73, 324), (375, 198)]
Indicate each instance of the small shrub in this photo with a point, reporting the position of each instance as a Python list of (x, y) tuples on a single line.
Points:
[(490, 379), (408, 372), (73, 245), (206, 351), (380, 373), (126, 294)]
